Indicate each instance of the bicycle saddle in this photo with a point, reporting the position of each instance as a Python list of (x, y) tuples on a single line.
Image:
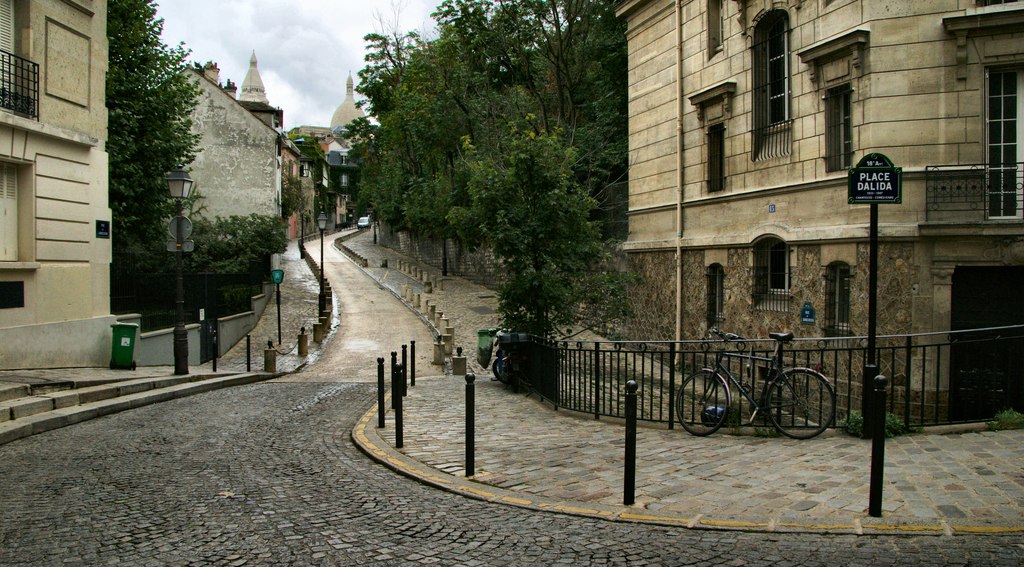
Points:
[(781, 337)]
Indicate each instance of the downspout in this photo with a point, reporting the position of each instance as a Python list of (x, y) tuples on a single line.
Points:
[(679, 169)]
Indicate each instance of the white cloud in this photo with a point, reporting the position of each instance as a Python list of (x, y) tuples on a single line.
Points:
[(305, 48)]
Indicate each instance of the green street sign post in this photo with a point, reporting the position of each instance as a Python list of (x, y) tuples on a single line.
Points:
[(277, 276), (875, 180)]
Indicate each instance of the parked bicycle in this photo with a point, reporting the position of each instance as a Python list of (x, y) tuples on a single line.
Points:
[(799, 402)]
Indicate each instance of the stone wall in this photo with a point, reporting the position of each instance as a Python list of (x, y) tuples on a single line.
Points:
[(478, 266)]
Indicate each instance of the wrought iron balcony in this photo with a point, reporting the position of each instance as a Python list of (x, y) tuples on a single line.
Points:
[(19, 85), (974, 193)]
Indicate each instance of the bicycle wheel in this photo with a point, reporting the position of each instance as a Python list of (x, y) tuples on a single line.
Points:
[(800, 403), (702, 402)]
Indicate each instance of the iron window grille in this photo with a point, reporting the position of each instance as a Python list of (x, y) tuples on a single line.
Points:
[(772, 121), (837, 300), (716, 157), (771, 275), (838, 128), (19, 85), (716, 295)]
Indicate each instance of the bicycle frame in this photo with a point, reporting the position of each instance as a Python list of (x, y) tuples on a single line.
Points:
[(736, 385)]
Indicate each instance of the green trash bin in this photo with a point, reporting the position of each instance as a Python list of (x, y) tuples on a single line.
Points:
[(484, 346), (122, 349)]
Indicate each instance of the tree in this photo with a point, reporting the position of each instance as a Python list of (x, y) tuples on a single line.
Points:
[(150, 100)]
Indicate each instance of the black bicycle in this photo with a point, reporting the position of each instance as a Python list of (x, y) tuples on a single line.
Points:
[(799, 402)]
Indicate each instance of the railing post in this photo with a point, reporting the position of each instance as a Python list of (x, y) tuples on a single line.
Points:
[(380, 393), (470, 425), (597, 380), (877, 447), (671, 384), (629, 481)]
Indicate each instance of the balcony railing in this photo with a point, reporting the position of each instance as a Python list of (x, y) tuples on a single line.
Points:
[(974, 193), (19, 85)]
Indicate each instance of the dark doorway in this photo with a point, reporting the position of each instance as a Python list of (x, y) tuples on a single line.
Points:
[(987, 375)]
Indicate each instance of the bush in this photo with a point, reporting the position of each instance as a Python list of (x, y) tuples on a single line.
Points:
[(894, 425), (228, 245), (1007, 419)]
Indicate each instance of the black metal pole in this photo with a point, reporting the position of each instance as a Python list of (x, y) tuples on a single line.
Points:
[(180, 334), (870, 368), (394, 393), (380, 393), (302, 237), (470, 424), (322, 299), (877, 448), (629, 480), (396, 389), (248, 353), (278, 313), (412, 363), (213, 334)]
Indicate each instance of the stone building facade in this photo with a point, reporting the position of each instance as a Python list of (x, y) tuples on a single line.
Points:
[(745, 116), (54, 214)]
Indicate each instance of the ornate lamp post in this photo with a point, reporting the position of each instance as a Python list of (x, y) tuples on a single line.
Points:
[(179, 184), (321, 221)]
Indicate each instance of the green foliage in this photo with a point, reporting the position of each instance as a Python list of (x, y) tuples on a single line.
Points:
[(1007, 419), (228, 245), (149, 99), (894, 425), (293, 200)]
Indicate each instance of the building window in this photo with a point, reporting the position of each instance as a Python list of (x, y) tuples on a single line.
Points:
[(771, 275), (1005, 153), (716, 157), (838, 128), (772, 129), (716, 27), (837, 300), (8, 212), (716, 295), (344, 180)]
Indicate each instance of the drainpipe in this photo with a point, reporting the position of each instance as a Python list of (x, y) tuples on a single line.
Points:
[(679, 168)]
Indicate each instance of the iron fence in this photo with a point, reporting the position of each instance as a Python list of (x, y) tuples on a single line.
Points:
[(935, 378), (19, 85), (974, 192)]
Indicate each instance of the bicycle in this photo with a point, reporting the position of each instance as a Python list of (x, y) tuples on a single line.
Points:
[(799, 402)]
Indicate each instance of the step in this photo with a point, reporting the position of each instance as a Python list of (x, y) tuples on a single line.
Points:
[(37, 385), (12, 391), (24, 407)]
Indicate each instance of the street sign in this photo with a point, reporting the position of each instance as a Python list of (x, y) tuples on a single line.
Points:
[(186, 228), (875, 180), (277, 276)]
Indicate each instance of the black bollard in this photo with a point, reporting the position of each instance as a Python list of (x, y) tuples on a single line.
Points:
[(470, 425), (877, 448), (396, 388), (380, 393), (395, 393), (412, 363), (213, 337), (405, 374), (629, 482), (248, 353)]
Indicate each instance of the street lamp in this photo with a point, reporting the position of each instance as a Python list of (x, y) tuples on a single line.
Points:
[(321, 221), (179, 184)]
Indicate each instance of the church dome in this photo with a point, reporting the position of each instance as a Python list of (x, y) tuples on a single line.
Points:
[(347, 111)]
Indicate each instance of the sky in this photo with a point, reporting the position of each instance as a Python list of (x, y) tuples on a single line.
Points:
[(305, 48)]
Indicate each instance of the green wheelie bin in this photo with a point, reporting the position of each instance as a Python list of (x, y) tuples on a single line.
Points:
[(484, 346), (122, 348)]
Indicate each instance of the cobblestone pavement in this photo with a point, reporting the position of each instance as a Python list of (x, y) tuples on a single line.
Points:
[(266, 475)]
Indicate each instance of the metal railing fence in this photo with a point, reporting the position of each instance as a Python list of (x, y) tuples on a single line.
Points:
[(19, 85), (935, 378)]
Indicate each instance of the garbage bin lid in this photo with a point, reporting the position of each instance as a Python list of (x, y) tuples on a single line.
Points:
[(120, 324), (486, 331)]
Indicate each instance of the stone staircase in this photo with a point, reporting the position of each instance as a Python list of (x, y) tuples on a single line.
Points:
[(32, 405)]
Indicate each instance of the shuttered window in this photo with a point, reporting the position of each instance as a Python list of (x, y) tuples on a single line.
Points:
[(7, 25), (8, 212)]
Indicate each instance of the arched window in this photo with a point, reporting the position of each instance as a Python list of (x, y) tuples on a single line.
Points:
[(837, 300), (716, 295), (772, 120), (771, 275)]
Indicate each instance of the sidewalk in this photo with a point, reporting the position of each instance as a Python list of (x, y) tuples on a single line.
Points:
[(528, 454)]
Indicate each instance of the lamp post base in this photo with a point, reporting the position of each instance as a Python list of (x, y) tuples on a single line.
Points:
[(180, 351)]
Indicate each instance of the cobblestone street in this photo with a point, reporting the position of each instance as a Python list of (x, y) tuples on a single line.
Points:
[(267, 474)]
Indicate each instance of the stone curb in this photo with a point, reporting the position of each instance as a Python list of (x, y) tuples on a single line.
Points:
[(365, 436), (62, 417)]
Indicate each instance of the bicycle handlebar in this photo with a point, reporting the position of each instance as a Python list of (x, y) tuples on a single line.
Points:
[(725, 336)]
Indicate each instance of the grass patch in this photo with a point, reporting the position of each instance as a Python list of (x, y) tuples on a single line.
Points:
[(1007, 419), (894, 426)]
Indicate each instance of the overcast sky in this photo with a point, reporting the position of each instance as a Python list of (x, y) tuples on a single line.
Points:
[(305, 48)]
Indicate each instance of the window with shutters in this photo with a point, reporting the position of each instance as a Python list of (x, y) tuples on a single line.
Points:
[(8, 212)]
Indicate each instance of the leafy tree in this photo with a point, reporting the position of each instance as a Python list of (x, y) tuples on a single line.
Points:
[(150, 101), (228, 245)]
